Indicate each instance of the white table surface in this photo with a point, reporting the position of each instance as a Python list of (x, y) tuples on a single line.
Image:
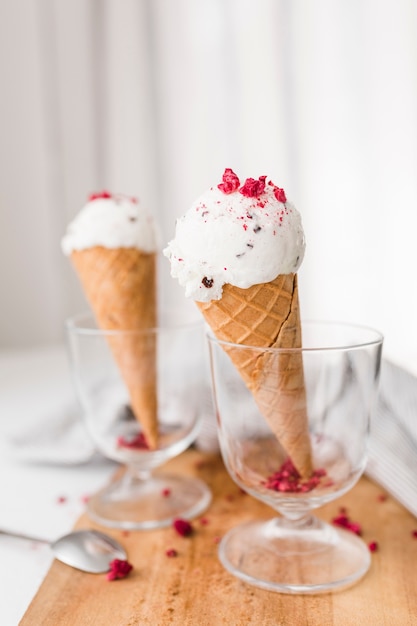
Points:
[(33, 385)]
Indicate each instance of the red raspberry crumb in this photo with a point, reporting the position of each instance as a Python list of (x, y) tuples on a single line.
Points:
[(183, 527), (343, 521), (61, 499), (204, 521), (373, 546), (138, 442), (280, 195), (166, 492), (230, 181), (101, 195), (253, 188), (382, 497), (119, 569), (414, 534), (287, 479), (171, 552)]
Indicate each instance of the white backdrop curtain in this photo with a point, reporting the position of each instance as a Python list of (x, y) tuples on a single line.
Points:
[(155, 97)]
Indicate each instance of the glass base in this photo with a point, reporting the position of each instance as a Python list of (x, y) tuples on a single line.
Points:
[(284, 556), (153, 502)]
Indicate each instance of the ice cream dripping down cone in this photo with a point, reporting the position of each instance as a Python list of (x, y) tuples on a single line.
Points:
[(119, 282), (237, 252)]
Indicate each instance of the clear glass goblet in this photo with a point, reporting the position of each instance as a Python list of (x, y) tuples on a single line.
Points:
[(143, 497), (296, 552)]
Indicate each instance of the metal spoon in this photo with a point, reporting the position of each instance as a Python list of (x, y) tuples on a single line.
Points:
[(86, 550)]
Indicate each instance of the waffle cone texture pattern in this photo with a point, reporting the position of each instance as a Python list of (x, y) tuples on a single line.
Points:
[(120, 286), (268, 316)]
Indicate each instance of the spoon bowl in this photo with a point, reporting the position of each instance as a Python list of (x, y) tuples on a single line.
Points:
[(87, 550)]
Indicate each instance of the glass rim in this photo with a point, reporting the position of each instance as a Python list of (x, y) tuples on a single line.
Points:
[(378, 339), (73, 324)]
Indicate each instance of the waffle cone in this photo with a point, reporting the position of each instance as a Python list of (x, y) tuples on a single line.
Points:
[(120, 286), (268, 316)]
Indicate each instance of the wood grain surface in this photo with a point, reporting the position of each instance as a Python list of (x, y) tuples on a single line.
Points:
[(194, 589)]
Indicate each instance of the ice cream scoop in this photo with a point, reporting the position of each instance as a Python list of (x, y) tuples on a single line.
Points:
[(238, 235), (112, 221), (236, 251)]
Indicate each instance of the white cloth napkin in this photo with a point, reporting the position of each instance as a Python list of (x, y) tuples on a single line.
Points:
[(40, 418), (393, 438)]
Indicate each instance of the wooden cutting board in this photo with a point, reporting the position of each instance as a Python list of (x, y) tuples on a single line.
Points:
[(193, 588)]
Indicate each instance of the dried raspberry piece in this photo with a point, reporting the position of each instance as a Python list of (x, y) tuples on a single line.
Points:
[(253, 188), (280, 195), (101, 195), (119, 569), (343, 521), (373, 546), (171, 552), (230, 181), (138, 442), (288, 480), (183, 527)]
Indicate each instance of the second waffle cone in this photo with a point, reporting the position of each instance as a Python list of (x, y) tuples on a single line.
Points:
[(120, 285)]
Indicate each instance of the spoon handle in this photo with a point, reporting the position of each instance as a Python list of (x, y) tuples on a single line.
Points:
[(12, 533)]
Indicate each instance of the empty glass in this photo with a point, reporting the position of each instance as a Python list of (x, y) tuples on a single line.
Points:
[(172, 358), (296, 552)]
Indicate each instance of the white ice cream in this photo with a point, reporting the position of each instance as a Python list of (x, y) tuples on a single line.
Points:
[(112, 222), (236, 239)]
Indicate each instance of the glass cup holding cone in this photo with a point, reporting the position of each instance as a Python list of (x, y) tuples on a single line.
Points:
[(293, 425), (141, 393)]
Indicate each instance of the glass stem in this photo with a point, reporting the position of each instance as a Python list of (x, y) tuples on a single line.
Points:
[(297, 519), (136, 474)]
